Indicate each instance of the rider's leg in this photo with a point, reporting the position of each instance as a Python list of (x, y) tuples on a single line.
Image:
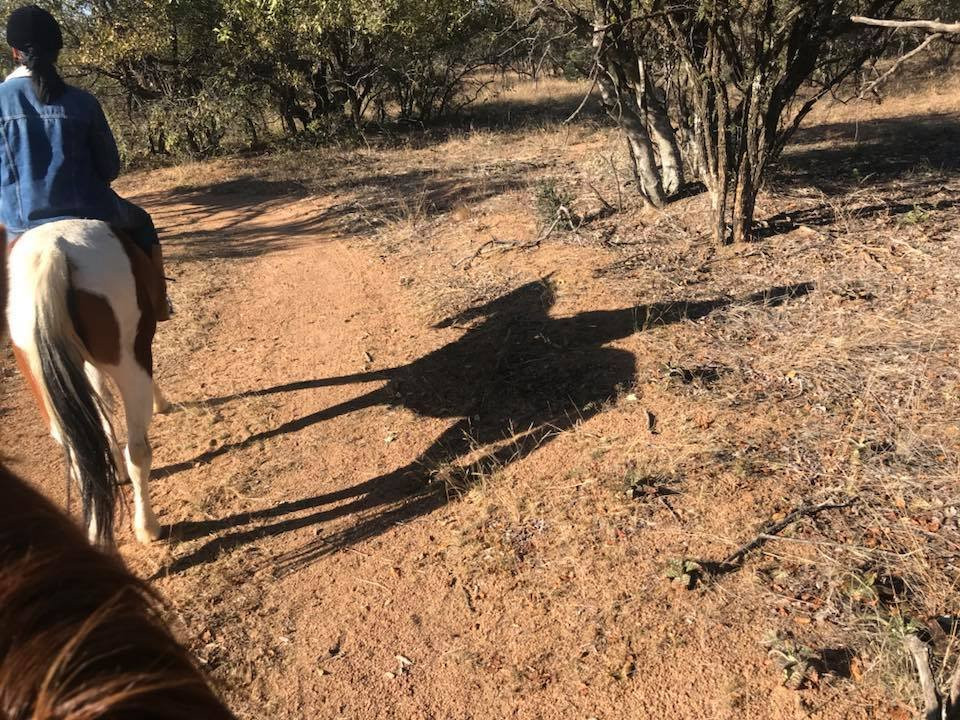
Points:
[(165, 309)]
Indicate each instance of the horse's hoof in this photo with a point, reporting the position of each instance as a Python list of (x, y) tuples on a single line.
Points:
[(148, 532), (161, 408)]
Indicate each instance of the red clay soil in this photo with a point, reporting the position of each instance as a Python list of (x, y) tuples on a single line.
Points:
[(403, 545)]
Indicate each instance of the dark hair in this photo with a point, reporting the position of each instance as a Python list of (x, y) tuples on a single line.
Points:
[(80, 636), (36, 34), (47, 82)]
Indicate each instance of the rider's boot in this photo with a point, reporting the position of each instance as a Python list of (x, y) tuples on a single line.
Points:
[(164, 309)]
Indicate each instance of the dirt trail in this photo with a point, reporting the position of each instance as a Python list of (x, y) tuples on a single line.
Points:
[(298, 628), (357, 499), (315, 629)]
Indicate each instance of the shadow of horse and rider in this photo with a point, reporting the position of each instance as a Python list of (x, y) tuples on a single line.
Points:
[(512, 382)]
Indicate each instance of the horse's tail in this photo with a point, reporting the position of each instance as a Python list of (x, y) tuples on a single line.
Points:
[(55, 355)]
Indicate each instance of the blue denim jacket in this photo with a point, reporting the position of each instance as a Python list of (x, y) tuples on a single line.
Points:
[(57, 160)]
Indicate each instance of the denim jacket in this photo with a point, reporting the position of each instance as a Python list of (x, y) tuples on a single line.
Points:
[(57, 160)]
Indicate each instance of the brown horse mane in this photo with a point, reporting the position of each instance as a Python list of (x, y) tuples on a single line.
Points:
[(81, 638)]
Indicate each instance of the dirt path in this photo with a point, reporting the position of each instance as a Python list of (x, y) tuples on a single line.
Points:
[(305, 563), (372, 516), (304, 546)]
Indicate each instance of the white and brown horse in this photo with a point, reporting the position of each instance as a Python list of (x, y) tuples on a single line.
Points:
[(80, 312)]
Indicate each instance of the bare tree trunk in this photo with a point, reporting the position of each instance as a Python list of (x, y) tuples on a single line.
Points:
[(714, 106), (252, 130), (356, 110), (645, 161), (718, 204), (671, 161), (658, 121), (627, 112), (744, 204), (641, 147)]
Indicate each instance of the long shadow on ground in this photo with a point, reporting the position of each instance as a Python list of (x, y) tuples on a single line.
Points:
[(513, 381), (903, 162)]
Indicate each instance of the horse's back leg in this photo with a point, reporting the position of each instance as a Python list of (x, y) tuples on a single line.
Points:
[(161, 405), (136, 390)]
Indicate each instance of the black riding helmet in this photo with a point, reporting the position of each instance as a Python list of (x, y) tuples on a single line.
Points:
[(32, 29)]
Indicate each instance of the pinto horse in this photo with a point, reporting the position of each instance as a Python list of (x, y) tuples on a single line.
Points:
[(81, 638), (80, 311)]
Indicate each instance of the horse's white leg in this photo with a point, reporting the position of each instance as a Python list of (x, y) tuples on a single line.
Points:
[(98, 381), (160, 404), (136, 389)]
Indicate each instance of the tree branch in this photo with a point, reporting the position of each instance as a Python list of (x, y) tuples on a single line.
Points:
[(921, 657), (900, 61), (928, 25)]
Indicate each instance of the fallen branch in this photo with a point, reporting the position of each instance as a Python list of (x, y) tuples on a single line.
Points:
[(765, 534), (900, 61), (602, 199), (503, 245), (932, 707), (928, 25)]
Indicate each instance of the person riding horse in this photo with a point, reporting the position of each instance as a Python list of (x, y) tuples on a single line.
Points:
[(60, 155)]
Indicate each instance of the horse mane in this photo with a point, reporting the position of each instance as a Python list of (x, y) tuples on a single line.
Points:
[(81, 638)]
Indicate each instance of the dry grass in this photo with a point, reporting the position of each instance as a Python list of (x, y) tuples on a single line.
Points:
[(847, 394)]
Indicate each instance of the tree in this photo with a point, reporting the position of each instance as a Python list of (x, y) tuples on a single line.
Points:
[(741, 74), (188, 76), (620, 69)]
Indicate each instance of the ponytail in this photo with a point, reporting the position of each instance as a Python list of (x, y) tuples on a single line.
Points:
[(47, 82)]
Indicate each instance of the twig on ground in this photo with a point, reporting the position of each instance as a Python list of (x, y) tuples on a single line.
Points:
[(602, 199), (563, 213), (676, 515), (736, 558), (504, 246)]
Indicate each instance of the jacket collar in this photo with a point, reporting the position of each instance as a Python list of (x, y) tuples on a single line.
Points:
[(21, 72)]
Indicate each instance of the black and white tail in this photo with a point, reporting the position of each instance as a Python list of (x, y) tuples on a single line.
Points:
[(56, 358)]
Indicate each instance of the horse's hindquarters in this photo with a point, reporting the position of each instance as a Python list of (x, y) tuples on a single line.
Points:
[(77, 310)]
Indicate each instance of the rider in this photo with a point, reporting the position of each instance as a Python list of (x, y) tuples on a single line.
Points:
[(59, 155)]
